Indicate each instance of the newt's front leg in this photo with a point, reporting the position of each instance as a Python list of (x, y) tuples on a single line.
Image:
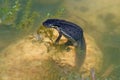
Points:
[(58, 39)]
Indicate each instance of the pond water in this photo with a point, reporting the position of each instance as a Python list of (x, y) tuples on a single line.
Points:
[(98, 18)]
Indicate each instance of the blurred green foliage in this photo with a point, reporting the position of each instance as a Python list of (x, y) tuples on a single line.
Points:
[(20, 15), (9, 11), (10, 15)]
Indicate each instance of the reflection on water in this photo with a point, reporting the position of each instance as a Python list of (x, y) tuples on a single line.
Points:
[(103, 26)]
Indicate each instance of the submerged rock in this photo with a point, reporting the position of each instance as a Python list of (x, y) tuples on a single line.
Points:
[(32, 61)]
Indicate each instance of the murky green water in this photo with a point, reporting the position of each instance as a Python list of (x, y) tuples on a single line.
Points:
[(102, 23)]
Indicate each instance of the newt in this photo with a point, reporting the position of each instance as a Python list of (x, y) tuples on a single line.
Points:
[(72, 32)]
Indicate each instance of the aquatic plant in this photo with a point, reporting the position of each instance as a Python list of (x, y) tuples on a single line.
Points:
[(19, 14), (8, 12)]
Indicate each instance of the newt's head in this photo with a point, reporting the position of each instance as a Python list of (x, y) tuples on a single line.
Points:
[(50, 23)]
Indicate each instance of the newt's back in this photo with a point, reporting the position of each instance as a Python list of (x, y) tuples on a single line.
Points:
[(69, 29)]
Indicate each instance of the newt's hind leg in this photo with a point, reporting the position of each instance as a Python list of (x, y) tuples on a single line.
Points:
[(68, 43)]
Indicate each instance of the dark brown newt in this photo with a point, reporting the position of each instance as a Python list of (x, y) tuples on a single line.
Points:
[(72, 32)]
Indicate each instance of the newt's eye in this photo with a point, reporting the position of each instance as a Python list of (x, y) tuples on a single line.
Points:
[(50, 25)]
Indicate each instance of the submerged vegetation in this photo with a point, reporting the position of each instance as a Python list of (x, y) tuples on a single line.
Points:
[(20, 15), (8, 11)]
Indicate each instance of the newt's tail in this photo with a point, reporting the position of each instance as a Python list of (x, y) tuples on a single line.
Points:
[(80, 52), (81, 45)]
